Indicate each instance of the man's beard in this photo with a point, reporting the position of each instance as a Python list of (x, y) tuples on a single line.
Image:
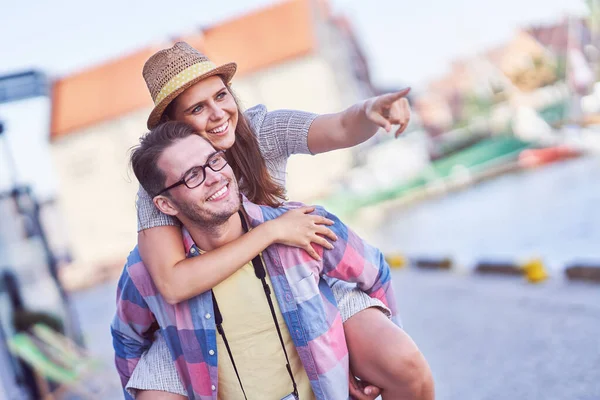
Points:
[(206, 218)]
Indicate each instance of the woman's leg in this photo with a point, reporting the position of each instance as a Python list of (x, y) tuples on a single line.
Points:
[(158, 395), (382, 354)]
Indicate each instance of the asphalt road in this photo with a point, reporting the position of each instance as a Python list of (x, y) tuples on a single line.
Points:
[(484, 337), (501, 338)]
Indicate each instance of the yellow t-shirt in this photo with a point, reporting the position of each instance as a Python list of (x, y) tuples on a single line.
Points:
[(254, 343)]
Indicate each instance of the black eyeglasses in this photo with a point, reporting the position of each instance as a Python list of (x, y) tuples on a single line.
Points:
[(196, 176)]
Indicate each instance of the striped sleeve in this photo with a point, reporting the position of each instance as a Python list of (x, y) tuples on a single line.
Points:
[(354, 260), (132, 327), (280, 133)]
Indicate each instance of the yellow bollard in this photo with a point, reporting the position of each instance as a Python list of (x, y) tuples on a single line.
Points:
[(535, 271), (396, 260)]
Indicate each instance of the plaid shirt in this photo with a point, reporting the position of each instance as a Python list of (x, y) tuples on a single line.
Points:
[(306, 302)]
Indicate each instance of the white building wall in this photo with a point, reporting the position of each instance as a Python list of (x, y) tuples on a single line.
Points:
[(98, 189)]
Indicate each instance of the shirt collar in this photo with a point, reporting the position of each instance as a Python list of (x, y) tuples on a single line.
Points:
[(188, 243)]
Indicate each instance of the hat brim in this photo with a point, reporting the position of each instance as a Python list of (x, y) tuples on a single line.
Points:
[(227, 71)]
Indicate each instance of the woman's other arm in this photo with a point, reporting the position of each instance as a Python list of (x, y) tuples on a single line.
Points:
[(359, 122)]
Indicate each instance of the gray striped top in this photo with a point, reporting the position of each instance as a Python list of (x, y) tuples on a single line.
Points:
[(280, 134)]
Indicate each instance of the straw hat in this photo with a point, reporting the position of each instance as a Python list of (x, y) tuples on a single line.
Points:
[(171, 71)]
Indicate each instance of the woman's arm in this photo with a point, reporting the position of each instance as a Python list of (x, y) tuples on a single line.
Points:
[(178, 278), (359, 122)]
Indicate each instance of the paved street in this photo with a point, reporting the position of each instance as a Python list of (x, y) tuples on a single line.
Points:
[(501, 338), (485, 337)]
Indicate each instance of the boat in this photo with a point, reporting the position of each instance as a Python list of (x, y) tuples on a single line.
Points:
[(531, 158)]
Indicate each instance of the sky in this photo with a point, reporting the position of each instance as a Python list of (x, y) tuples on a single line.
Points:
[(407, 43)]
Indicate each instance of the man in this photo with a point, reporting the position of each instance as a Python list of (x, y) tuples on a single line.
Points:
[(255, 354)]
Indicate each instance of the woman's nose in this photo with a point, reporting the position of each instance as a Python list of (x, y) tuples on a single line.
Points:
[(217, 113)]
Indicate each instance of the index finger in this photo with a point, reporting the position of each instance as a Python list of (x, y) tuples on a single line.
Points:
[(392, 97), (357, 393)]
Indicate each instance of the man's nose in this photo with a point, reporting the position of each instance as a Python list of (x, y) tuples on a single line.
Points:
[(212, 177)]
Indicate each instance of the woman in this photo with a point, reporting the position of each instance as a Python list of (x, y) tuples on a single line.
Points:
[(186, 86)]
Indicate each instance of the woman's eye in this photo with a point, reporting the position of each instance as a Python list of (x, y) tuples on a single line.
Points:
[(221, 95), (197, 109)]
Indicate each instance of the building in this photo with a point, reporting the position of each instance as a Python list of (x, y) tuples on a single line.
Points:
[(294, 55), (521, 65)]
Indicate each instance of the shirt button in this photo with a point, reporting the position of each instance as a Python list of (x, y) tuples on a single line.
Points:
[(207, 316), (211, 352), (288, 297), (213, 387), (193, 250)]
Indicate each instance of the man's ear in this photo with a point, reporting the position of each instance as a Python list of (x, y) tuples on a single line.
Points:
[(165, 205)]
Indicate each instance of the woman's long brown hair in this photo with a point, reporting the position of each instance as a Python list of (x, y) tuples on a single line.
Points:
[(248, 163), (249, 166)]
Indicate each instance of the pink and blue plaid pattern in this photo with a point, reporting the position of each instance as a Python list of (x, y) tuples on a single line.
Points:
[(303, 294)]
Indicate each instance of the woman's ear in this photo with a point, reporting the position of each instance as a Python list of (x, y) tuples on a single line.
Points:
[(165, 205)]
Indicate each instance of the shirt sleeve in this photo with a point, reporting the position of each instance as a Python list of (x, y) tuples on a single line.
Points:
[(148, 215), (156, 371), (354, 260), (132, 328), (280, 133)]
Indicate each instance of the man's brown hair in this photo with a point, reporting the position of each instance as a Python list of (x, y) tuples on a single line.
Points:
[(144, 157)]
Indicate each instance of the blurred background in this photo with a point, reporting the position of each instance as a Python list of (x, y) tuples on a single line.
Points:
[(489, 200)]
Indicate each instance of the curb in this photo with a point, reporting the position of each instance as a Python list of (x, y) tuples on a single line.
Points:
[(498, 268), (396, 260), (443, 263), (580, 272), (534, 270)]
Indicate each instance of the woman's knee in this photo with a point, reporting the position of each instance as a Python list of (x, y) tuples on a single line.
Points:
[(385, 355), (408, 371)]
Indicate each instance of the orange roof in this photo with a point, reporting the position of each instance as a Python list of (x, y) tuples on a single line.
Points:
[(272, 35), (196, 40), (99, 94), (257, 40)]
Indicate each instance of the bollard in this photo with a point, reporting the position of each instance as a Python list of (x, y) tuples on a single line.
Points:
[(581, 272), (444, 263), (501, 268), (535, 271), (396, 260)]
